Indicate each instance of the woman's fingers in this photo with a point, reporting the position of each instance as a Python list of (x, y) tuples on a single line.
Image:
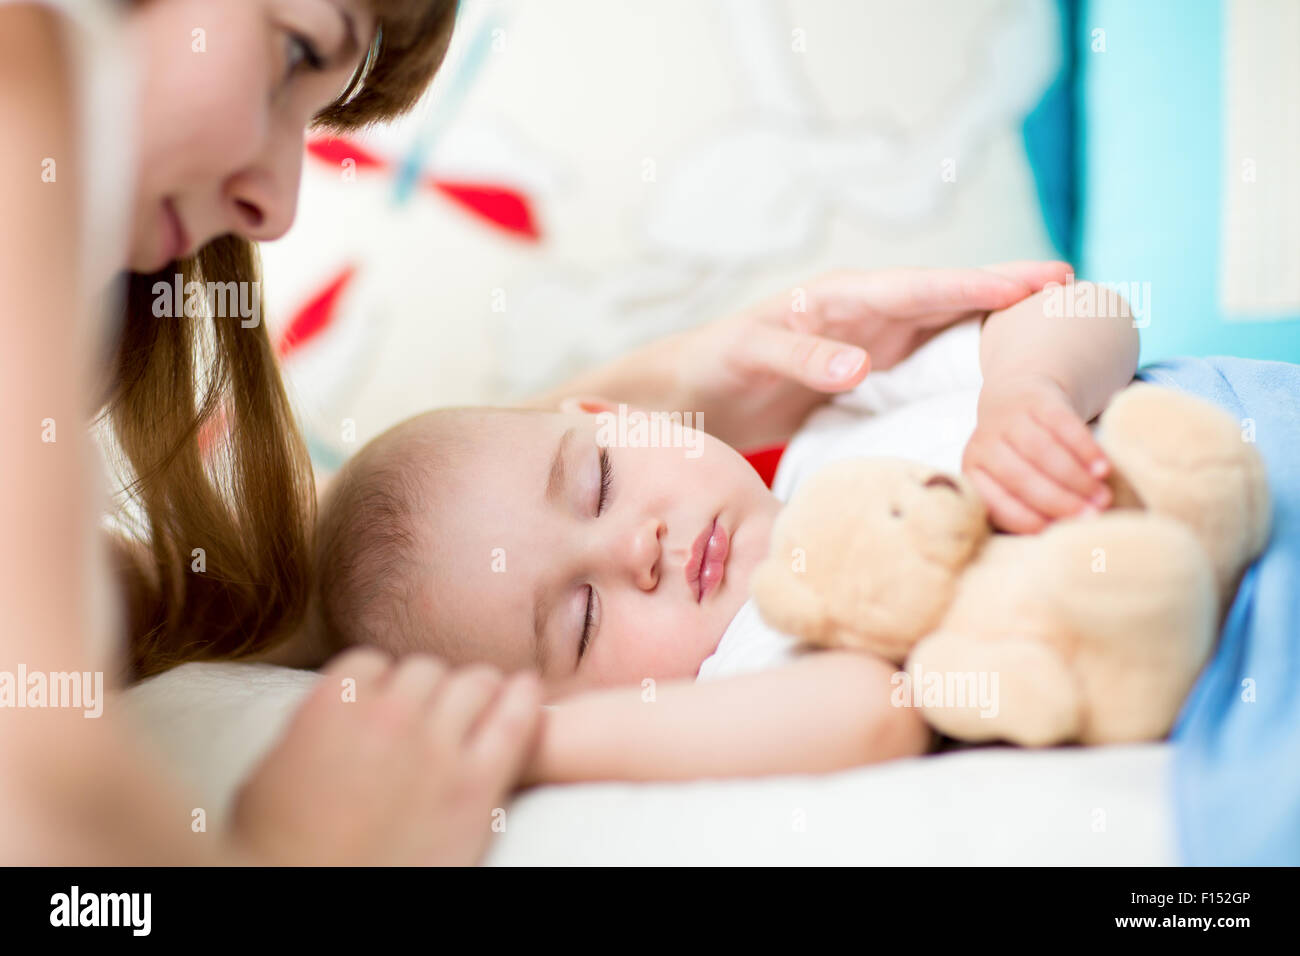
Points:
[(362, 664), (461, 703), (366, 667), (415, 680), (914, 293), (400, 696), (381, 791), (819, 363), (501, 741), (1033, 273)]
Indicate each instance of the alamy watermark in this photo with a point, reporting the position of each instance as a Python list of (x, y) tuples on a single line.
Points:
[(943, 689), (1082, 300), (74, 908), (222, 300), (633, 428), (82, 690)]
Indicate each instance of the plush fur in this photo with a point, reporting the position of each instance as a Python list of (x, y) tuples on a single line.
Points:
[(1095, 629)]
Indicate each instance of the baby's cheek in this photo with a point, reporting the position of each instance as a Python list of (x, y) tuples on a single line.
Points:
[(658, 647), (673, 647)]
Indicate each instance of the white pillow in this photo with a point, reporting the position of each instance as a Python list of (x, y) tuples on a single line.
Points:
[(213, 722)]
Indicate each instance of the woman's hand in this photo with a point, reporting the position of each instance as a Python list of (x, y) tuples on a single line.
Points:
[(757, 375), (409, 771), (1032, 458)]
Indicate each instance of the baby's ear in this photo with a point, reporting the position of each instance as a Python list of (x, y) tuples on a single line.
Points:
[(587, 405)]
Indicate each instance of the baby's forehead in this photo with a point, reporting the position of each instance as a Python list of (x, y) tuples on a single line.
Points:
[(475, 533), (451, 437), (467, 459), (484, 424)]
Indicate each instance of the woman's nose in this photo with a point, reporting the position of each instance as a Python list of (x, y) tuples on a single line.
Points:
[(644, 552), (263, 197)]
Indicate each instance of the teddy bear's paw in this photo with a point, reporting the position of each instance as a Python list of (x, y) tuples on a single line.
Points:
[(1122, 571), (1178, 455), (1015, 689), (1158, 438), (1173, 427)]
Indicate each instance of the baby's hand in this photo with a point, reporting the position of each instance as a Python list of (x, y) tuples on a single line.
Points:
[(1031, 457)]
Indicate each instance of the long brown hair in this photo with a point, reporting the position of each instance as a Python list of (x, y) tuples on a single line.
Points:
[(205, 430)]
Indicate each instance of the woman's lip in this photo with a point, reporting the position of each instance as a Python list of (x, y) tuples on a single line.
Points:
[(176, 239), (708, 560)]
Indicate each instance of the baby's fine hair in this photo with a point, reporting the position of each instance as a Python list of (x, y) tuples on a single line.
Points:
[(368, 558)]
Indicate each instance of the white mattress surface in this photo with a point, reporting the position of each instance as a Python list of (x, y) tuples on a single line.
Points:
[(1094, 806)]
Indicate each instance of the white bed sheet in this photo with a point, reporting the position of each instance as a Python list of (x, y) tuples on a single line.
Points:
[(1106, 805)]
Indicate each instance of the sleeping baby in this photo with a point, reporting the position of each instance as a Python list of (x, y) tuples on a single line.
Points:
[(619, 568)]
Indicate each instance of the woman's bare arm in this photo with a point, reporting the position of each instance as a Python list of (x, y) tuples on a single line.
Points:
[(68, 774), (825, 711), (755, 375)]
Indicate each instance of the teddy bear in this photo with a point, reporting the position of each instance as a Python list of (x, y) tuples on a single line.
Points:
[(1092, 631)]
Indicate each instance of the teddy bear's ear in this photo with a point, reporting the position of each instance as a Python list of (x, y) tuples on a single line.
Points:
[(788, 604)]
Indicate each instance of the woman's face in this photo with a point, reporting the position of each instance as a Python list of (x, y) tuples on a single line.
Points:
[(228, 91)]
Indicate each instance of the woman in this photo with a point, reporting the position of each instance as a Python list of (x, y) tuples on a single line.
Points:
[(201, 151)]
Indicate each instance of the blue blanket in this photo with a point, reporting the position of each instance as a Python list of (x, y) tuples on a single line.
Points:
[(1236, 766)]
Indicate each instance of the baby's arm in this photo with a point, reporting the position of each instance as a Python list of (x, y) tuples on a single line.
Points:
[(1090, 353), (824, 711), (1048, 368)]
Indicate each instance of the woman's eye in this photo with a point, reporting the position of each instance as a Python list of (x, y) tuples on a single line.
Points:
[(299, 51), (606, 479)]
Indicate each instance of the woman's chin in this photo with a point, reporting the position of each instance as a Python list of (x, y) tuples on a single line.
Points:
[(160, 262), (147, 256)]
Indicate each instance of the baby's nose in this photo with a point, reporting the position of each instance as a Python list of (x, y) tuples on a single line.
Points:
[(646, 553)]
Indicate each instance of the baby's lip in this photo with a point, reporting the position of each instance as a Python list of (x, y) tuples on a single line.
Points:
[(707, 561)]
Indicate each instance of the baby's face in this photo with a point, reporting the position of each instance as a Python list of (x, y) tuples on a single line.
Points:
[(595, 565)]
